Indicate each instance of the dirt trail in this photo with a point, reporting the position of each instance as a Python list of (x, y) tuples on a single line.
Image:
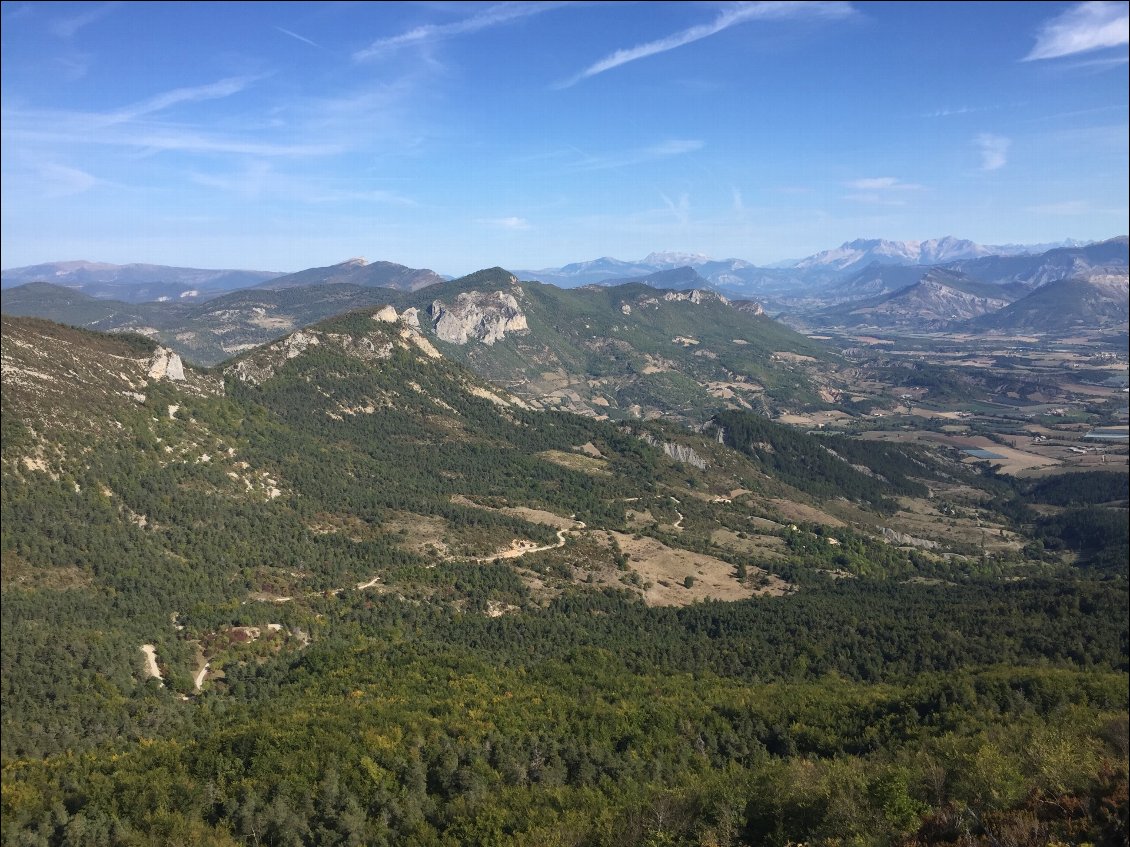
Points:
[(151, 668), (678, 524), (520, 548), (198, 681)]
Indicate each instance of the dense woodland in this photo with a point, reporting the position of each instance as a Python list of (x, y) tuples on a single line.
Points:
[(922, 699)]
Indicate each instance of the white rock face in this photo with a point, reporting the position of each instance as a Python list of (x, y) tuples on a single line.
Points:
[(892, 537), (262, 365), (749, 306), (411, 317), (166, 365), (477, 316), (297, 343), (386, 314), (695, 296), (676, 452)]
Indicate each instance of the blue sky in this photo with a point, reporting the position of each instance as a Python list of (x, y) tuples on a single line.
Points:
[(463, 135)]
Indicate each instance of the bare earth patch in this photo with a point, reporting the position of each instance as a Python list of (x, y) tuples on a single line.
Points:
[(765, 546), (151, 668), (540, 516), (667, 568), (576, 462), (17, 572), (800, 513), (422, 535), (922, 519)]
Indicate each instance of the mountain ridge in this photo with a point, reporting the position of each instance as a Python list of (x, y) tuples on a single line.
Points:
[(136, 282)]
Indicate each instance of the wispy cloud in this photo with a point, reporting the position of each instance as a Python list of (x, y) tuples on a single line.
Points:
[(67, 27), (428, 33), (249, 184), (1099, 64), (124, 127), (1065, 208), (258, 179), (950, 111), (63, 180), (680, 209), (882, 183), (511, 224), (875, 199), (80, 130), (733, 14), (301, 38), (654, 152), (880, 190), (993, 149), (74, 65), (1082, 28), (194, 94), (737, 202)]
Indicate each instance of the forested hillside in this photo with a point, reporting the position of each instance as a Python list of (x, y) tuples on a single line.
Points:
[(339, 590)]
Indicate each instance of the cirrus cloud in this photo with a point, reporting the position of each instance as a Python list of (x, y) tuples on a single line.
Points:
[(1086, 27), (735, 13), (490, 17)]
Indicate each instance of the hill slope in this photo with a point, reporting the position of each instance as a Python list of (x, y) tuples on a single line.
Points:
[(136, 283), (937, 299), (620, 350), (361, 273), (343, 591), (1100, 302)]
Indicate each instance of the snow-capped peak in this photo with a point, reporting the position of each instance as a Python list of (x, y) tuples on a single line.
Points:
[(672, 259)]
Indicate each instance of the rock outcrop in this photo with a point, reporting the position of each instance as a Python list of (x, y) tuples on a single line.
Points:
[(166, 365), (901, 539), (478, 316), (749, 306), (677, 452), (262, 364), (695, 296)]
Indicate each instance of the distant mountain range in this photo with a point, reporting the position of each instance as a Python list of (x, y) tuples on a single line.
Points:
[(902, 285), (1060, 290), (160, 283), (803, 278), (1101, 301), (136, 283), (938, 298), (624, 350), (361, 273), (857, 254)]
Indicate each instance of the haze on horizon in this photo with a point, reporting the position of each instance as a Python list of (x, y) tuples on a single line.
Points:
[(460, 135)]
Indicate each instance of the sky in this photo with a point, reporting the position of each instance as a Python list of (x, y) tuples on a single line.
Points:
[(457, 136)]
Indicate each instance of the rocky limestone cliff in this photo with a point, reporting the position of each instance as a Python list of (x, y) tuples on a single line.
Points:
[(903, 540), (411, 317), (478, 316), (264, 362), (750, 306), (166, 365), (677, 452), (695, 296)]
